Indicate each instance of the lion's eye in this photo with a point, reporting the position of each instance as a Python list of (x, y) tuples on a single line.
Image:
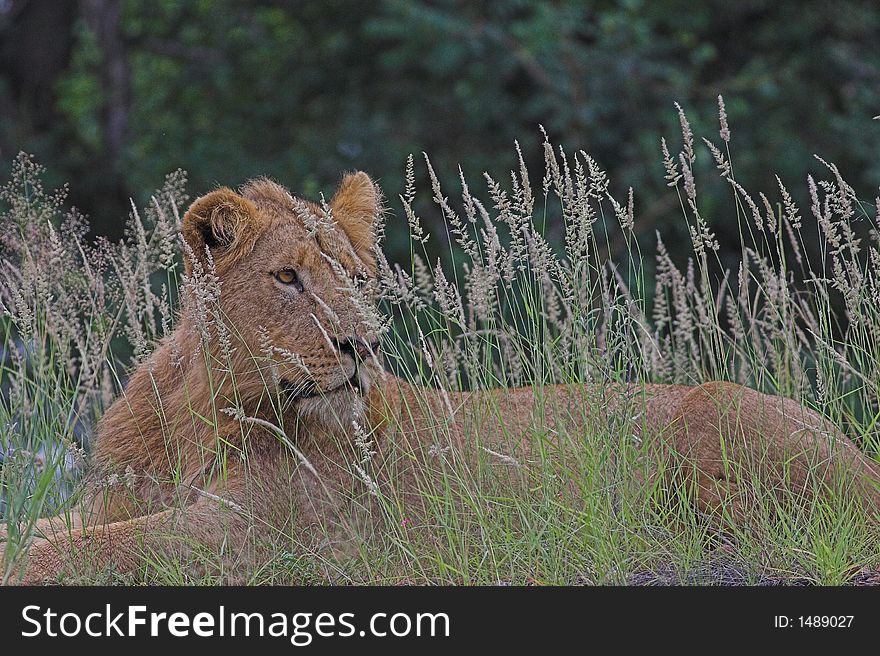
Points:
[(288, 277)]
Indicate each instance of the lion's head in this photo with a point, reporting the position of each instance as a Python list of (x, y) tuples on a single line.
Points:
[(296, 289)]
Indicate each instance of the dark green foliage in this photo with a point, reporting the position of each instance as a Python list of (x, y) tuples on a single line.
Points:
[(303, 90)]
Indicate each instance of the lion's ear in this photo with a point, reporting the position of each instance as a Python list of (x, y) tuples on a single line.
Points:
[(356, 207), (222, 221)]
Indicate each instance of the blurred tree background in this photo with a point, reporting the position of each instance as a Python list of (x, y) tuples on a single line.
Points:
[(111, 95)]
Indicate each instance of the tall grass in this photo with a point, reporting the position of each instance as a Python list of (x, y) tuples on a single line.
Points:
[(799, 315)]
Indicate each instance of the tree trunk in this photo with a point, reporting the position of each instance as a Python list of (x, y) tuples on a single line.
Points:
[(104, 18)]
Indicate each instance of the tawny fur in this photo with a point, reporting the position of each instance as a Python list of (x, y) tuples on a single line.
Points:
[(174, 477)]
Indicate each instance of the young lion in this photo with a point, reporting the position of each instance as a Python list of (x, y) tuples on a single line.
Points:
[(289, 344)]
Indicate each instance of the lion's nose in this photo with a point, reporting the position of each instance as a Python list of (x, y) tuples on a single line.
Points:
[(358, 348)]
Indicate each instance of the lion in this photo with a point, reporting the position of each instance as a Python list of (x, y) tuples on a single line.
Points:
[(245, 424)]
